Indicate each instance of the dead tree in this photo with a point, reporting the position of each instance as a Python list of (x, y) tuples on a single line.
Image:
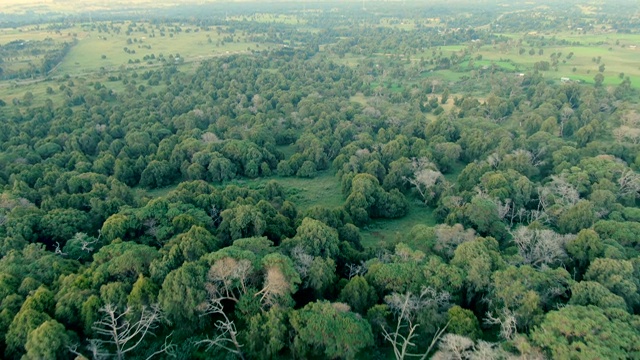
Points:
[(406, 308), (227, 337), (507, 321), (120, 336), (457, 347), (425, 177), (540, 247), (356, 270), (629, 183), (228, 279)]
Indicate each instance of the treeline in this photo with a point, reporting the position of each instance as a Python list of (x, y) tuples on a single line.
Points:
[(47, 52)]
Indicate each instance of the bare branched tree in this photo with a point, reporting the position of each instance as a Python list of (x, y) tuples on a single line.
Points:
[(86, 245), (301, 261), (557, 192), (228, 278), (494, 160), (459, 347), (629, 183), (486, 351), (626, 133), (566, 193), (214, 213), (356, 269), (540, 247), (565, 115), (152, 227), (454, 346), (506, 320), (59, 251), (275, 286), (120, 336), (631, 118), (227, 337), (406, 307), (425, 177), (450, 237)]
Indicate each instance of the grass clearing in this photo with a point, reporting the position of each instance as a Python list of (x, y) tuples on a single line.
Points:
[(384, 232), (323, 190)]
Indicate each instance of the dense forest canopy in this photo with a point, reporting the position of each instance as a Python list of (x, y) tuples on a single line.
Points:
[(385, 180)]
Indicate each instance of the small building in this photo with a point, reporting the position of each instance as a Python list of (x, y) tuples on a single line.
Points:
[(632, 47), (565, 79)]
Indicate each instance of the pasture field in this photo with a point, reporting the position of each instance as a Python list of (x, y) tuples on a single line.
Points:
[(618, 52), (189, 44)]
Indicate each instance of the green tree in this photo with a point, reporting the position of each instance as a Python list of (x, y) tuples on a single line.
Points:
[(183, 290), (617, 276), (598, 79), (330, 330), (585, 248), (316, 239), (463, 322), (358, 294), (478, 259), (243, 221), (592, 293), (47, 341), (266, 333), (578, 217), (587, 332)]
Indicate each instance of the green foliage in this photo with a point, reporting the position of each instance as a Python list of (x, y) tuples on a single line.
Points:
[(315, 238), (47, 341), (589, 331), (358, 294), (617, 276), (329, 330), (478, 259), (592, 293), (275, 180), (463, 322), (267, 333), (182, 293)]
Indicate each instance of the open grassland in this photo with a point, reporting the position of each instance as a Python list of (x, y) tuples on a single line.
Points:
[(384, 232), (190, 44), (620, 53), (98, 50), (616, 52), (99, 53)]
